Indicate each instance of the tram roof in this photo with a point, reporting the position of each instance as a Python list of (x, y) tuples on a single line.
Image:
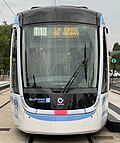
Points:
[(59, 14)]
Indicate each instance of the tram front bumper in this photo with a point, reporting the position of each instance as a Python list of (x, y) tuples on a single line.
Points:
[(57, 125)]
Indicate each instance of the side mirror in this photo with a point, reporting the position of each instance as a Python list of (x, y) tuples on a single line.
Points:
[(107, 30)]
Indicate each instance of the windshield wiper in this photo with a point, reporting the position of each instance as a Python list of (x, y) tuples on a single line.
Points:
[(85, 65), (73, 77), (28, 84), (34, 85)]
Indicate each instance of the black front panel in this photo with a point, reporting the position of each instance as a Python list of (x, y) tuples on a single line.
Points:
[(43, 99), (59, 14)]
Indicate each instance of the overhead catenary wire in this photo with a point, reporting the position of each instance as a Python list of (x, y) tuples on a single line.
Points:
[(2, 15), (9, 7)]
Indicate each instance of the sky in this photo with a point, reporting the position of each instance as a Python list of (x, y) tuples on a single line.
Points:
[(110, 10)]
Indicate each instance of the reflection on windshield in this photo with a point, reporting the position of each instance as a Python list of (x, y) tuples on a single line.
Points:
[(75, 74), (52, 53)]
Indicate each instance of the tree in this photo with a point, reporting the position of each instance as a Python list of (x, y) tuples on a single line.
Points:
[(116, 47), (5, 40)]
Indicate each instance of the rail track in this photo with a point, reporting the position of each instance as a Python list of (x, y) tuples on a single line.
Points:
[(5, 101), (4, 104), (60, 139), (105, 137)]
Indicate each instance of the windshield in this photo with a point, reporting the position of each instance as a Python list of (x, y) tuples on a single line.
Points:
[(51, 54)]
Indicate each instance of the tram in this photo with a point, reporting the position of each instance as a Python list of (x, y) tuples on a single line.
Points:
[(59, 71)]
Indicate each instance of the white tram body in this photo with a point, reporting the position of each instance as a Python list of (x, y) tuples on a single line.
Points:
[(59, 71)]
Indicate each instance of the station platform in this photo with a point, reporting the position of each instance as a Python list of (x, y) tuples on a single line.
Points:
[(4, 84), (113, 122)]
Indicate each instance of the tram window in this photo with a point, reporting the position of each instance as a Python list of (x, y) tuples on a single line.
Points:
[(14, 63), (53, 59), (105, 65)]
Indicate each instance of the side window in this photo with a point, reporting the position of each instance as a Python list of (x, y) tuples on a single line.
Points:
[(105, 64), (14, 62)]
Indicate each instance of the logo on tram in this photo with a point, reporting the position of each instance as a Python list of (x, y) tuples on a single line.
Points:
[(60, 101)]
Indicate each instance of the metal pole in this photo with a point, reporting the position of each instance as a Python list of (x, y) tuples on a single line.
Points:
[(54, 2)]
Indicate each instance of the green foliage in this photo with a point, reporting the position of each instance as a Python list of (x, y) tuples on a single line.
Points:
[(5, 41), (116, 47)]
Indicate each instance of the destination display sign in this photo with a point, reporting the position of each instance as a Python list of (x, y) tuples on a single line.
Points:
[(56, 31)]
